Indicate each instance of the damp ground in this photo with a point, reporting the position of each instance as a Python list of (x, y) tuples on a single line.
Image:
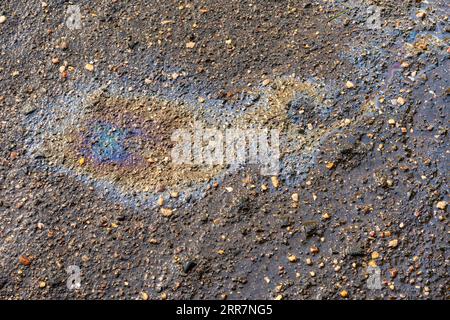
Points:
[(86, 118)]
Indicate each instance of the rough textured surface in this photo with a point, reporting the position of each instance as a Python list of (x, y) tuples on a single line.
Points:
[(368, 159)]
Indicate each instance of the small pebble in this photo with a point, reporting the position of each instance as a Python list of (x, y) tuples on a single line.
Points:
[(330, 165), (314, 250), (89, 67), (64, 45), (393, 243), (393, 273), (349, 85), (442, 205), (420, 14), (326, 216), (166, 212), (401, 101), (189, 266), (23, 260), (275, 182)]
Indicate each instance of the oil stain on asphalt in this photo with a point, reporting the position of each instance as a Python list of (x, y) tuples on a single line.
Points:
[(87, 179)]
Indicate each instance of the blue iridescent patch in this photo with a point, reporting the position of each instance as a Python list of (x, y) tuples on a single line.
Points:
[(106, 143)]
